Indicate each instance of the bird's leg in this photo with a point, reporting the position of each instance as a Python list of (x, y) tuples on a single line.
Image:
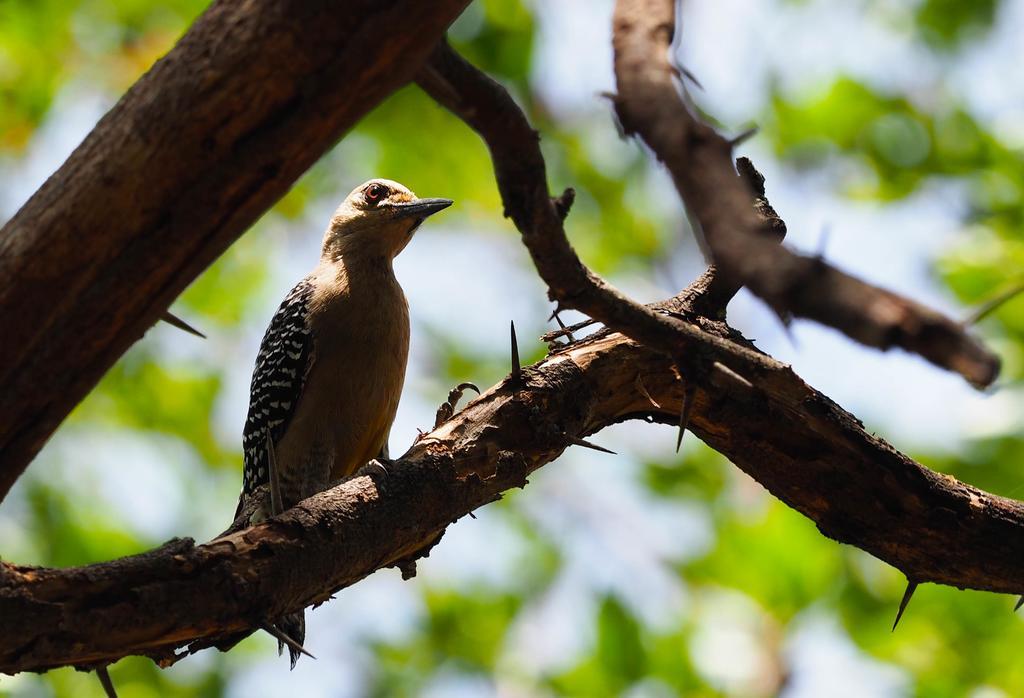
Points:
[(377, 468)]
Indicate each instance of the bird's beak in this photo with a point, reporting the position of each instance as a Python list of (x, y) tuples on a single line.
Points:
[(421, 208)]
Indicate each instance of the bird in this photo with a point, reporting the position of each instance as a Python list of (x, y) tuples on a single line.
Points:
[(330, 369)]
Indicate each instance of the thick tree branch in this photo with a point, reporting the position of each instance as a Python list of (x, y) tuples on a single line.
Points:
[(188, 159), (794, 440), (700, 162), (765, 419), (153, 603)]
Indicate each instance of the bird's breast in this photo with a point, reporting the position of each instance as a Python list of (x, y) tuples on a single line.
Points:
[(362, 346)]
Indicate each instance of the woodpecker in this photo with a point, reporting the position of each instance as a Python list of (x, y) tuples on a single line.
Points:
[(330, 369)]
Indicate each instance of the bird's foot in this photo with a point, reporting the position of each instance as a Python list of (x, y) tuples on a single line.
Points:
[(377, 470)]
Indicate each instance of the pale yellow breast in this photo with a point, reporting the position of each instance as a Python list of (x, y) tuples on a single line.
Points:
[(352, 391)]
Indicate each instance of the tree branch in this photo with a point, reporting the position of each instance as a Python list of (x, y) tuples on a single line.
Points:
[(795, 441), (188, 159), (700, 162), (152, 603), (799, 444), (519, 169)]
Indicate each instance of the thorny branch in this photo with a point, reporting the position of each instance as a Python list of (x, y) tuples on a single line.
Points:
[(876, 502), (792, 439), (521, 175), (856, 487), (701, 164)]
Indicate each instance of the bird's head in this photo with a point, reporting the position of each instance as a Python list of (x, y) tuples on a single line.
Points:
[(378, 219)]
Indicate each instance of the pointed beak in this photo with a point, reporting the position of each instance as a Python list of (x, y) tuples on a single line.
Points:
[(421, 208)]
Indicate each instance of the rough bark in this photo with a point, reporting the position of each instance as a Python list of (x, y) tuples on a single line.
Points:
[(856, 487), (188, 159), (700, 161), (519, 169), (756, 411)]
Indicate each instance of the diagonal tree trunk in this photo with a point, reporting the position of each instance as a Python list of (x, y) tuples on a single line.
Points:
[(205, 142)]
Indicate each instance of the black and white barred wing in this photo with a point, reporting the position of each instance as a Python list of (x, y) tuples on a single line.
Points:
[(283, 362)]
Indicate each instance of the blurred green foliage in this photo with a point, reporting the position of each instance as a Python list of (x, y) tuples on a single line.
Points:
[(946, 24), (763, 561)]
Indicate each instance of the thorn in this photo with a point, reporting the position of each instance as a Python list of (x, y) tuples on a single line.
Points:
[(175, 321), (276, 503), (688, 74), (991, 306), (517, 370), (555, 334), (911, 588), (108, 685), (681, 72), (728, 372), (684, 417), (743, 137), (281, 636), (1020, 602), (643, 391), (564, 202), (586, 444), (472, 515), (786, 320), (620, 127), (826, 233), (568, 332)]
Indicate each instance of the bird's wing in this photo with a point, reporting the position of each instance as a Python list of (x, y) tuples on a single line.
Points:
[(285, 357)]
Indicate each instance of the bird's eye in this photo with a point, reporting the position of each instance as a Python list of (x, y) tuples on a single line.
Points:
[(375, 193)]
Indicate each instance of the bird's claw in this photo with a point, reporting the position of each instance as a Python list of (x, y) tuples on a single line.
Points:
[(377, 470)]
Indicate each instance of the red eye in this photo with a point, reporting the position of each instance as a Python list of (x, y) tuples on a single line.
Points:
[(375, 193)]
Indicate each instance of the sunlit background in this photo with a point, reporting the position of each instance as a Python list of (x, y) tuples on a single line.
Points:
[(891, 136)]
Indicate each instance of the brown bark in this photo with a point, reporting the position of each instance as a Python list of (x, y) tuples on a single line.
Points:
[(519, 169), (794, 440), (886, 504), (701, 164), (188, 159)]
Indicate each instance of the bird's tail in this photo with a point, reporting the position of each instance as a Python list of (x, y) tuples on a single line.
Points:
[(294, 626)]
